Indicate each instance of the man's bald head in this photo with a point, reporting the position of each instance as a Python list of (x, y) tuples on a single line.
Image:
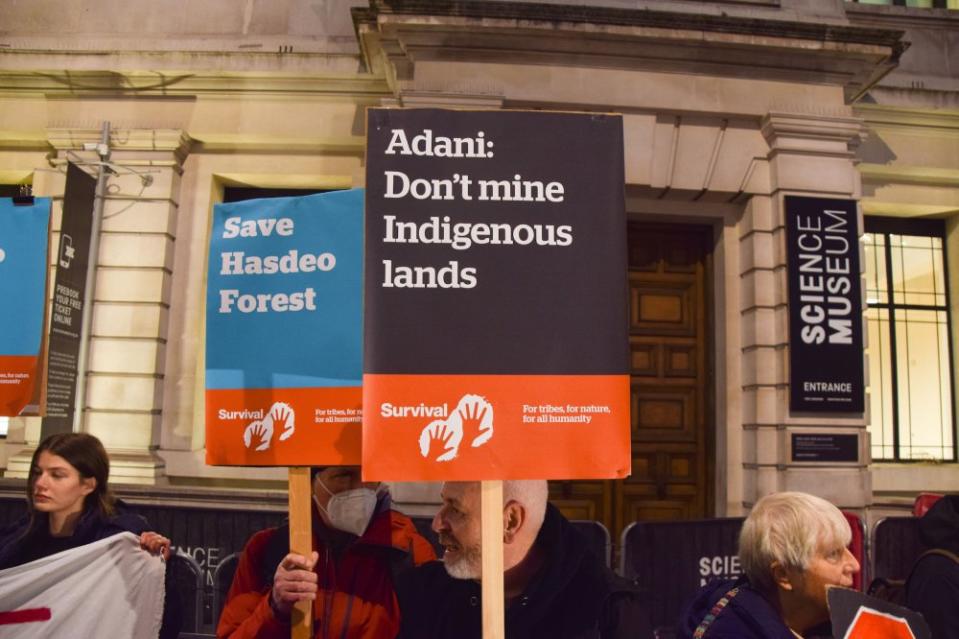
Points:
[(532, 494), (458, 523)]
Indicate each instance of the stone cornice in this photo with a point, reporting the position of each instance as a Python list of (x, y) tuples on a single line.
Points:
[(332, 145), (173, 141), (23, 140), (123, 57), (448, 98), (396, 35), (179, 144), (940, 121), (919, 175), (529, 12), (179, 84), (831, 128), (891, 16)]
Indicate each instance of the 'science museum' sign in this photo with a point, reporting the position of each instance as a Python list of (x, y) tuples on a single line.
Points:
[(825, 305)]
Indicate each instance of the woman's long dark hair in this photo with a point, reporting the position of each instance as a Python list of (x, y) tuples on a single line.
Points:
[(85, 453)]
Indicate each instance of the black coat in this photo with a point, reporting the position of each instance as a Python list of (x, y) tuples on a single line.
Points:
[(933, 586), (19, 546), (574, 596), (746, 615)]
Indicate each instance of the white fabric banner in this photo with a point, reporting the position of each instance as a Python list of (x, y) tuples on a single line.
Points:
[(110, 588)]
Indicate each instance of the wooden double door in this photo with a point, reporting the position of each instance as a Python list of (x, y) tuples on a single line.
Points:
[(671, 401)]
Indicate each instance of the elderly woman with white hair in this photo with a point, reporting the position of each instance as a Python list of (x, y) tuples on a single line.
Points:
[(793, 547)]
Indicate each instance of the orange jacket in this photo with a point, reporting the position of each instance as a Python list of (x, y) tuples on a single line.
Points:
[(355, 598)]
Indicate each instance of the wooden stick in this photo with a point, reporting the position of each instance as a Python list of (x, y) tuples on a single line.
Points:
[(301, 541), (491, 511)]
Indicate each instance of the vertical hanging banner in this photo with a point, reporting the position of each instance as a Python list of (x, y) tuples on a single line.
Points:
[(825, 305), (69, 288), (284, 315), (495, 335), (24, 230)]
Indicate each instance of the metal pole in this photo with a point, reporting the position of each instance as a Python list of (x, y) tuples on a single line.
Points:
[(103, 151)]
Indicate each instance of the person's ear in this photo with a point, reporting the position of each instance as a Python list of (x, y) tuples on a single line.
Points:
[(514, 516), (88, 485), (781, 576)]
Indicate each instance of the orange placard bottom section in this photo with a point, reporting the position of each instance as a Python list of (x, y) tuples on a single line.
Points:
[(482, 427), (283, 426), (18, 374), (870, 624)]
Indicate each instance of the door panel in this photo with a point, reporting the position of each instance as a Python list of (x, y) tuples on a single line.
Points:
[(669, 271)]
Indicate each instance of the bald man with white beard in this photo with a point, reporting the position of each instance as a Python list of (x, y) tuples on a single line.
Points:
[(554, 585)]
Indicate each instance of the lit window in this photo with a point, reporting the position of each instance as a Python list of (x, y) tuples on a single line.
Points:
[(910, 367)]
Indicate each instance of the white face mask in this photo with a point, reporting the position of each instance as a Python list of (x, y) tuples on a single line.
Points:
[(350, 510)]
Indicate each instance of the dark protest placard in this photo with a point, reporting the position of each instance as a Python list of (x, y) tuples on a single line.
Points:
[(825, 305), (495, 320), (69, 288), (858, 616)]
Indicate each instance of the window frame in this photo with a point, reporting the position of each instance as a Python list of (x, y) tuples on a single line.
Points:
[(887, 226)]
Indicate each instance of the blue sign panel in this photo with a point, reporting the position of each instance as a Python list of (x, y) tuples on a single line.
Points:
[(284, 319)]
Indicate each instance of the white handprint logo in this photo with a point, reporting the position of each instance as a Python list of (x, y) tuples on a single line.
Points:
[(473, 419), (444, 435), (476, 416), (259, 434), (281, 414)]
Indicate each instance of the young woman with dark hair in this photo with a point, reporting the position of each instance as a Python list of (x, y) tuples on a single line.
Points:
[(69, 503)]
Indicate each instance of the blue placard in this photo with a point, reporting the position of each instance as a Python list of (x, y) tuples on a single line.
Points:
[(23, 274), (284, 305)]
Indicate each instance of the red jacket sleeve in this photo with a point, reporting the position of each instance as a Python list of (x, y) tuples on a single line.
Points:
[(422, 550), (247, 613)]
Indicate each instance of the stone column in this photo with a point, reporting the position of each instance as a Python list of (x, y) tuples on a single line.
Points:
[(809, 154), (132, 298)]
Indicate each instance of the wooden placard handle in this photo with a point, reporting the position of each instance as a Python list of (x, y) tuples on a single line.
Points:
[(301, 542), (491, 512)]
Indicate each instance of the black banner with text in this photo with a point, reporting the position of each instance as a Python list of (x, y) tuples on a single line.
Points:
[(825, 305), (69, 288)]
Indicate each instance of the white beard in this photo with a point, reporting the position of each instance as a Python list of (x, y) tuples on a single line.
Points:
[(469, 566)]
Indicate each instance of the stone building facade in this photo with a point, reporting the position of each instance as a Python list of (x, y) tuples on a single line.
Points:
[(727, 107)]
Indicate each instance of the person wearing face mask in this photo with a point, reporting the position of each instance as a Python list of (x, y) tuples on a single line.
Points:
[(359, 545)]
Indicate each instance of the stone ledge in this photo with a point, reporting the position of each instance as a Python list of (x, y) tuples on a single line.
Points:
[(178, 496), (397, 35), (717, 21)]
